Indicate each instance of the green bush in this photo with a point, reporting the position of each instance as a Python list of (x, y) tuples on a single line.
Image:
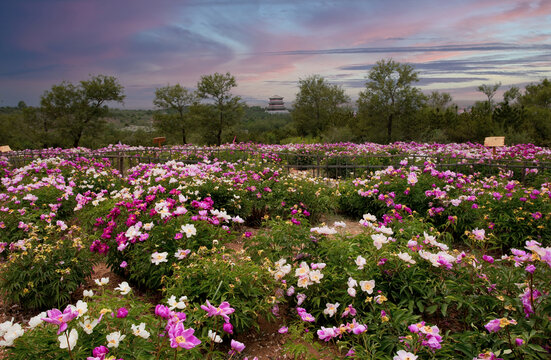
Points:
[(47, 270), (214, 275)]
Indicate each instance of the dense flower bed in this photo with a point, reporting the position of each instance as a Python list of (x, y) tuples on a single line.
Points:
[(446, 265)]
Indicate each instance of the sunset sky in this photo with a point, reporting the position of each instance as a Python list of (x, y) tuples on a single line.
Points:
[(455, 45)]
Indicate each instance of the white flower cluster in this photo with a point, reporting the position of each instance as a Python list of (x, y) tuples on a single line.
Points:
[(308, 276), (281, 269), (9, 332)]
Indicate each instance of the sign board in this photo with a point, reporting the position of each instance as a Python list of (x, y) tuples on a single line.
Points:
[(494, 141), (5, 148), (159, 140)]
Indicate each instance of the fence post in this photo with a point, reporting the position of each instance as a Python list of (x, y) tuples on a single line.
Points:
[(121, 164), (318, 164)]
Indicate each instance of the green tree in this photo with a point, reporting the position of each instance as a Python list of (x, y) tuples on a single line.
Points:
[(537, 103), (75, 109), (175, 100), (319, 106), (538, 95), (439, 101), (437, 118), (512, 95), (389, 96), (490, 92), (226, 107)]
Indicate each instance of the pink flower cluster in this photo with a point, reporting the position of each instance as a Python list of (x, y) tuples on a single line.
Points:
[(428, 336)]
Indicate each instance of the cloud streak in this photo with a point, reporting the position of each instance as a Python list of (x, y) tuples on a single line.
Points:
[(424, 49)]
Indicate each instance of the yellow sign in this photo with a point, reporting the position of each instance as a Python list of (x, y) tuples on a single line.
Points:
[(5, 148), (494, 141)]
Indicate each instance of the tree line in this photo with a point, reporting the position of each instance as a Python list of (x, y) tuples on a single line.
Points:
[(389, 108)]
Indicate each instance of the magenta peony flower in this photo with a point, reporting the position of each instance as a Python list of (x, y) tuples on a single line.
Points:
[(162, 311), (122, 313), (228, 327), (223, 310), (57, 317), (182, 337), (100, 351)]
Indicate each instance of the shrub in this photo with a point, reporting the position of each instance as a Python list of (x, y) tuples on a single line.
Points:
[(46, 270)]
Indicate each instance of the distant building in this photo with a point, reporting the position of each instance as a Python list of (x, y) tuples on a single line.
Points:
[(276, 105)]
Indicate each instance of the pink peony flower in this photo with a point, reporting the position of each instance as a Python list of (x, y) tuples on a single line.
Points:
[(236, 346), (182, 337)]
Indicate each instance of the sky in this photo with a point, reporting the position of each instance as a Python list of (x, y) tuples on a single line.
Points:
[(455, 45)]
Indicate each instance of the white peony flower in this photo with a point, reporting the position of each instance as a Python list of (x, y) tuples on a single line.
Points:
[(360, 261), (214, 337), (10, 332), (331, 309), (124, 288), (180, 304), (379, 240), (87, 293), (37, 320), (103, 281), (114, 339), (73, 337), (139, 330), (81, 307), (367, 286), (88, 326), (315, 276), (340, 224), (406, 257), (157, 258), (189, 230)]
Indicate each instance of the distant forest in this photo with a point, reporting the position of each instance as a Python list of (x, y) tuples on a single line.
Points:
[(390, 108)]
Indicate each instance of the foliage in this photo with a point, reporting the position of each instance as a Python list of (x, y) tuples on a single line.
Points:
[(226, 108), (175, 100), (319, 106), (218, 275), (76, 109), (389, 95), (47, 269)]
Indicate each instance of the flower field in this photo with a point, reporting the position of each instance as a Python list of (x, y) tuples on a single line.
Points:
[(420, 261)]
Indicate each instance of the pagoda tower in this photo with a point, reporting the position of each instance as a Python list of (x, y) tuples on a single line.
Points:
[(276, 104)]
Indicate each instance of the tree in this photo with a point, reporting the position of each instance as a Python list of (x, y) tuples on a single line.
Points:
[(538, 95), (319, 106), (176, 101), (537, 102), (389, 95), (511, 95), (489, 91), (75, 109), (439, 101), (228, 109)]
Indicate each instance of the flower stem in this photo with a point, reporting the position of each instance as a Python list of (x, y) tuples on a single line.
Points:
[(68, 344)]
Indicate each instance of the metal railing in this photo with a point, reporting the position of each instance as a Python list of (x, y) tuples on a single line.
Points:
[(320, 165)]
